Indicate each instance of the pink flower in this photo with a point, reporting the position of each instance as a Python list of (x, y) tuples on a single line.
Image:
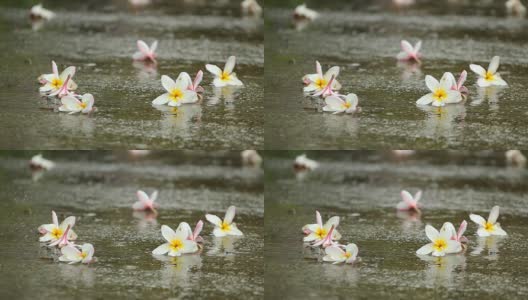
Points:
[(146, 53), (459, 85), (58, 234), (409, 203), (192, 235), (193, 85), (146, 203), (409, 52)]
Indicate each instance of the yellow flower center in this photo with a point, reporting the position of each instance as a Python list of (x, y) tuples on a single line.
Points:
[(56, 83), (83, 105), (56, 233), (321, 83), (321, 233), (440, 245), (489, 227), (225, 226), (489, 76), (176, 245), (176, 95), (440, 94), (225, 76), (346, 105), (348, 254), (84, 254)]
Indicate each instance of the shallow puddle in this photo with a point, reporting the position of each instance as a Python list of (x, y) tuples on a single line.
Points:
[(100, 38), (99, 188), (363, 40), (363, 189)]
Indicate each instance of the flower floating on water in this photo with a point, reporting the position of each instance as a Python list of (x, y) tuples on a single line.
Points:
[(251, 158), (193, 85), (145, 202), (53, 83), (227, 76), (319, 234), (57, 234), (409, 202), (225, 227), (515, 158), (441, 93), (303, 12), (303, 163), (38, 162), (145, 52), (458, 85), (192, 235), (489, 227), (441, 243), (251, 7), (515, 7), (489, 77), (322, 85), (38, 12), (342, 104), (177, 243), (73, 255), (410, 53), (71, 104), (339, 254), (177, 92), (456, 235)]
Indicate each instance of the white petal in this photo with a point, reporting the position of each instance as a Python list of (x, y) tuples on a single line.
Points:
[(163, 99), (214, 70), (498, 230), (494, 65), (482, 232), (334, 103), (478, 70), (189, 246), (425, 100), (498, 81), (71, 103), (168, 233), (453, 96), (167, 83), (453, 247), (431, 232), (477, 219), (335, 252), (230, 214), (431, 83), (230, 65), (333, 71), (483, 82), (424, 250), (189, 97), (143, 47), (333, 221), (214, 219), (69, 221), (162, 249), (219, 82), (407, 47), (234, 230), (494, 215), (233, 80), (69, 71), (218, 232)]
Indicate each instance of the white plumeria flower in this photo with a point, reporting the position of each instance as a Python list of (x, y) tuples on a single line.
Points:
[(54, 232), (441, 93), (73, 255), (251, 7), (251, 158), (303, 12), (515, 158), (225, 227), (53, 83), (489, 77), (320, 234), (515, 7), (177, 243), (193, 85), (441, 243), (456, 235), (39, 12), (409, 52), (225, 77), (303, 163), (409, 202), (145, 202), (145, 52), (490, 227), (191, 235), (73, 105), (338, 255), (341, 104), (177, 92), (38, 162), (322, 85), (458, 85)]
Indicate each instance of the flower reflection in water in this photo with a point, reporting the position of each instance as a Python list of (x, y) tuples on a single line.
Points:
[(492, 94), (444, 270), (77, 275), (177, 270), (146, 70), (146, 220), (410, 219), (181, 118), (490, 244), (227, 93), (410, 70), (224, 246), (442, 121)]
